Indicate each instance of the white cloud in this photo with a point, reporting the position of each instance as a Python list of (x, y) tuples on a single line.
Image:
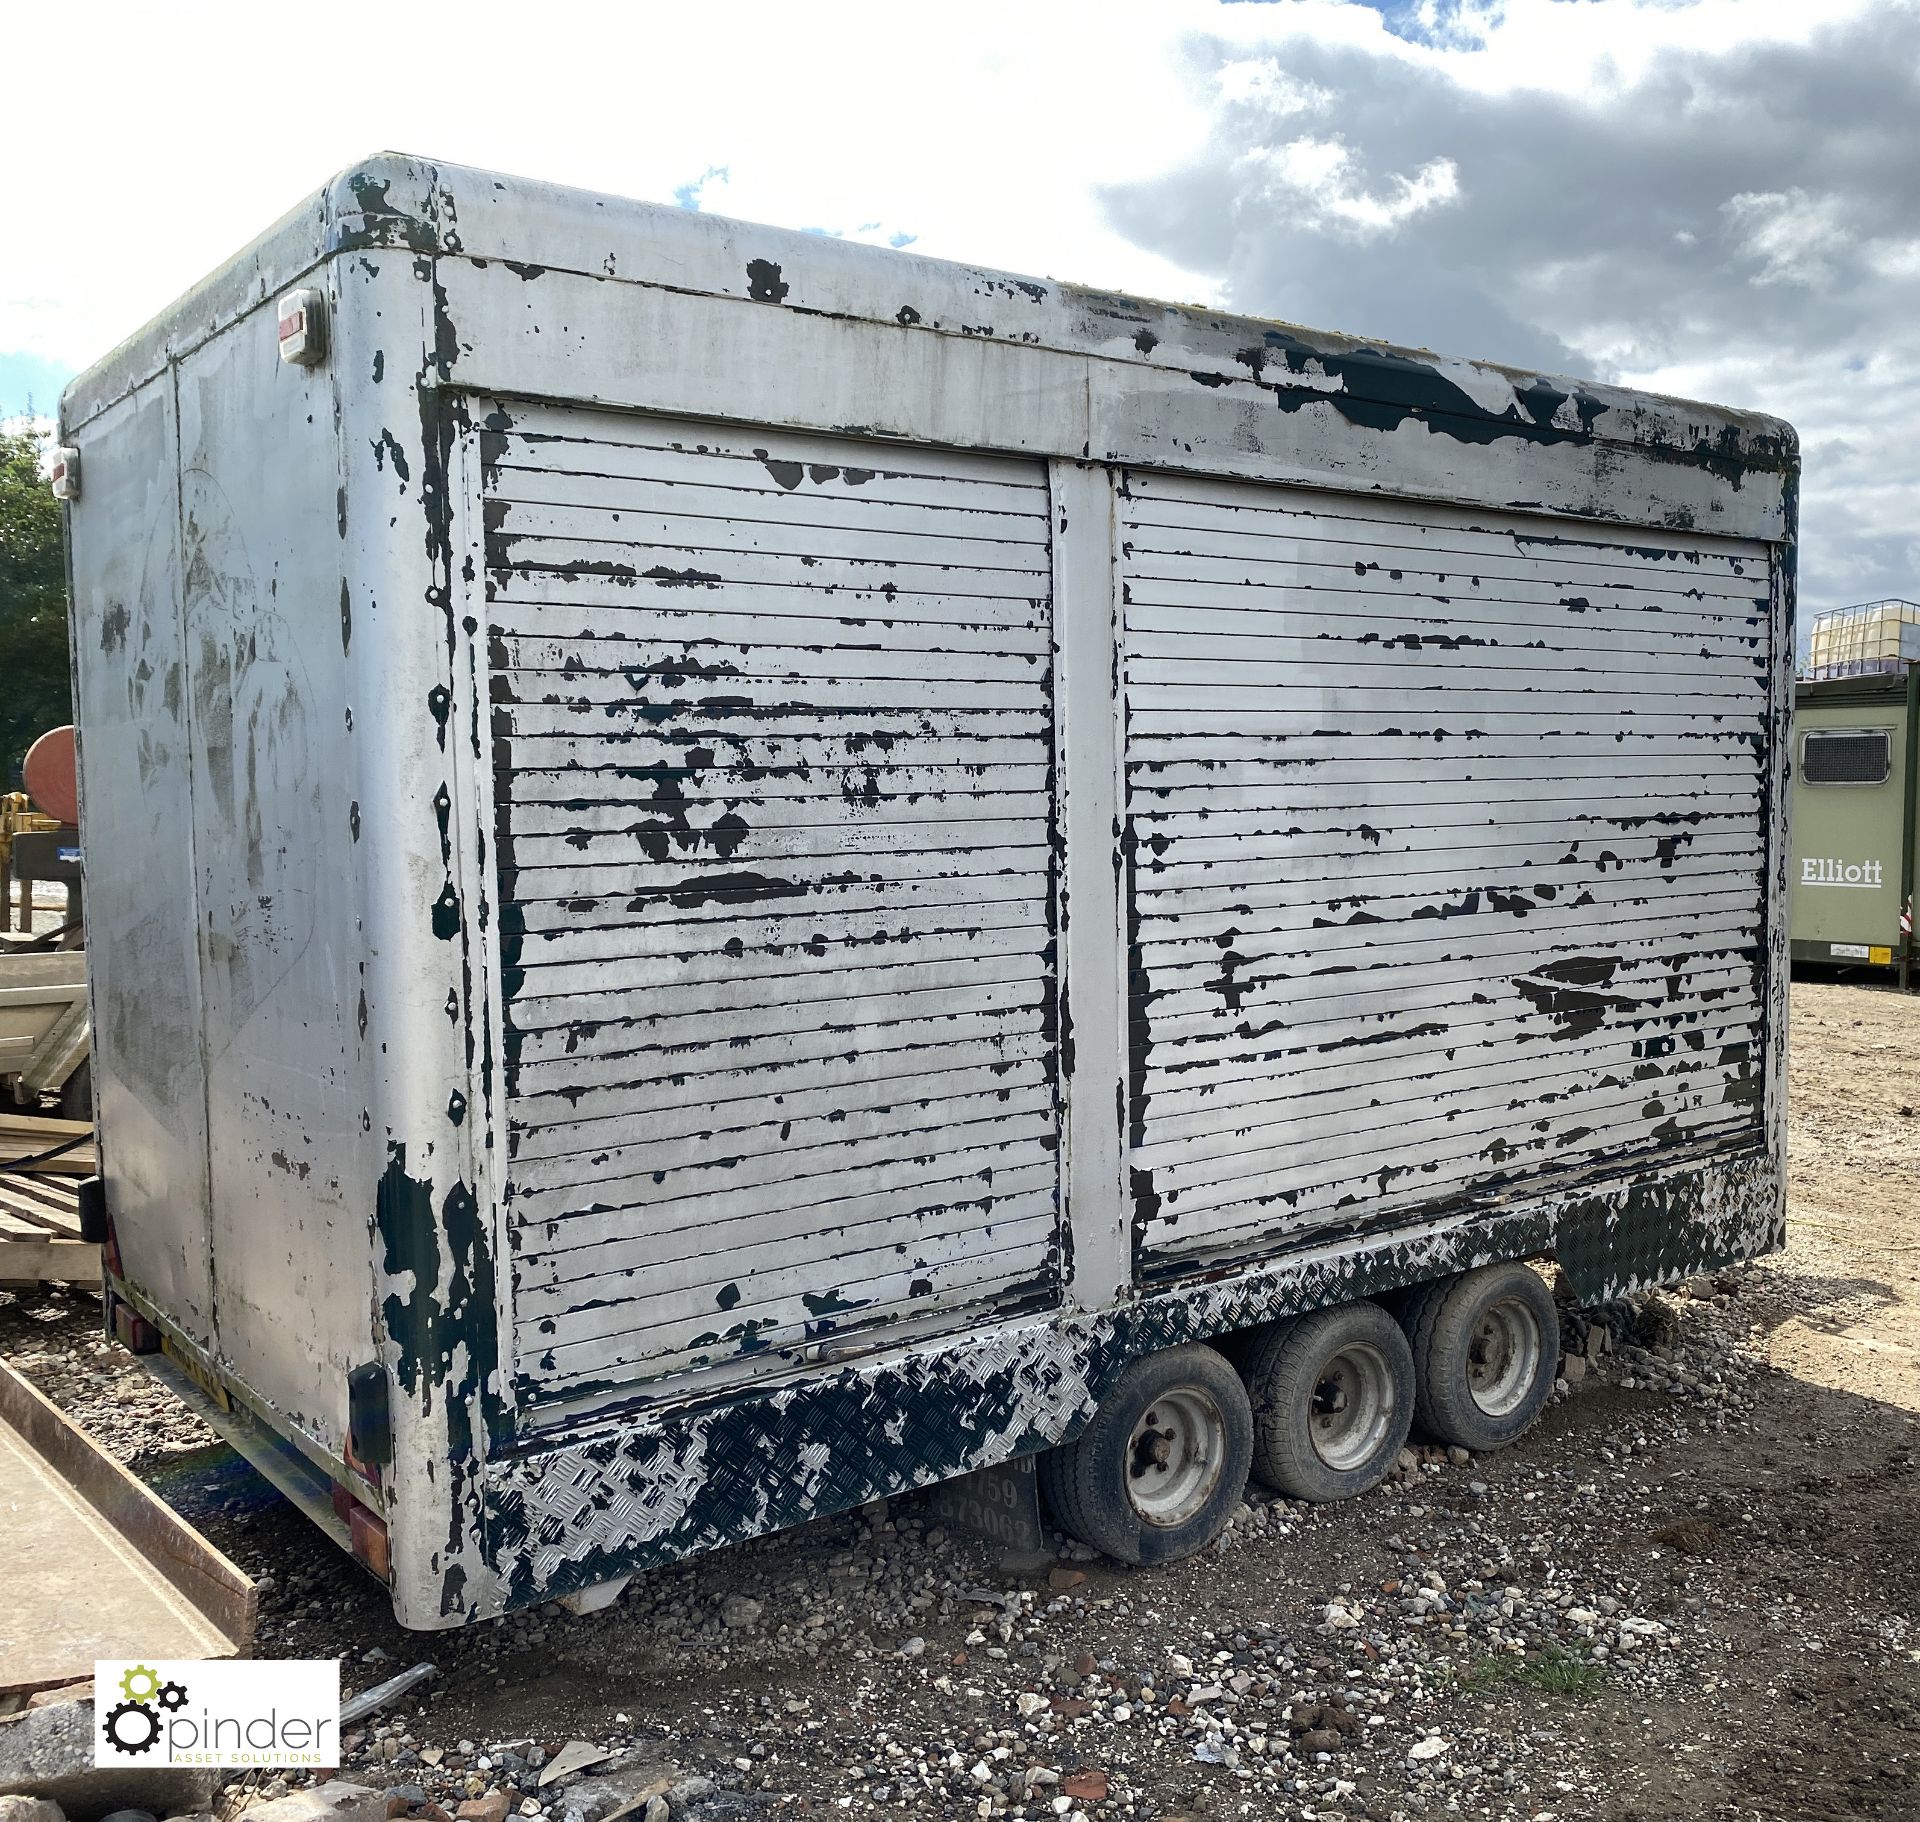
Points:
[(1707, 198), (1794, 237), (983, 134), (1322, 176), (1262, 81), (1712, 196)]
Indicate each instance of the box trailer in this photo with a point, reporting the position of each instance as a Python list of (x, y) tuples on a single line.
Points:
[(811, 870), (1855, 837)]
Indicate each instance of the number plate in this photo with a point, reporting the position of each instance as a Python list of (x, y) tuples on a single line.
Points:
[(1000, 1505)]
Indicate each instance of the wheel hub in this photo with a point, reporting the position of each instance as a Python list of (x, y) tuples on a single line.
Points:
[(1175, 1457), (1351, 1409), (1503, 1356)]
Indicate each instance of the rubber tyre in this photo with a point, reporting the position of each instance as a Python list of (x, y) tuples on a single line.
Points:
[(1447, 1323), (1290, 1373), (1238, 1347), (1085, 1482)]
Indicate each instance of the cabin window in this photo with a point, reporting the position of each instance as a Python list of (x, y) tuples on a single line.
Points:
[(1846, 756)]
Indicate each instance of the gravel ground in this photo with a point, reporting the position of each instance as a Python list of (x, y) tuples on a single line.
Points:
[(1691, 1592)]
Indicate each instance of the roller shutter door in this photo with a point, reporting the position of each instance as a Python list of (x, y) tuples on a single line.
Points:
[(773, 775), (1447, 837)]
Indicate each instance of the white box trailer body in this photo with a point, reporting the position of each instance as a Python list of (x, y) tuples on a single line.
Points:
[(796, 853)]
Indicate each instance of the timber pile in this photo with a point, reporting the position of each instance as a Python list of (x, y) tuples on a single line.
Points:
[(39, 1202)]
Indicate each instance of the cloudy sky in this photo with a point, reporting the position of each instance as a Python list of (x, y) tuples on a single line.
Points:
[(1719, 198)]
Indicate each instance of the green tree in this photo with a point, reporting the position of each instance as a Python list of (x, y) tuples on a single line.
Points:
[(35, 691)]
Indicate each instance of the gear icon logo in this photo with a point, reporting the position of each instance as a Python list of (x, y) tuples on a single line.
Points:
[(140, 1684), (132, 1727), (173, 1696)]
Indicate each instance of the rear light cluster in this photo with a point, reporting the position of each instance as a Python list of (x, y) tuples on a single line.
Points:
[(366, 1531), (369, 1448)]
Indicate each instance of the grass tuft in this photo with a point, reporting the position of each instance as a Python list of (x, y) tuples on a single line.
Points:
[(1553, 1672)]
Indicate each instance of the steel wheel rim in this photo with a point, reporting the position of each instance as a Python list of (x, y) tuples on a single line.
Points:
[(1175, 1456), (1503, 1357), (1351, 1410)]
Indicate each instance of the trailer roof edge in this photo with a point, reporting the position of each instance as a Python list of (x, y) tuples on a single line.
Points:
[(396, 203)]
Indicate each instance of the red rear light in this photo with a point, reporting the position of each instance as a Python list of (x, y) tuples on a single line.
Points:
[(369, 1535)]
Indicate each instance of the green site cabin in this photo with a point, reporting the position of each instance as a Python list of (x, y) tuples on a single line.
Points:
[(1856, 820)]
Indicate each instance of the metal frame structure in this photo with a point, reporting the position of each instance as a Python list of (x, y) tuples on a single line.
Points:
[(307, 1091)]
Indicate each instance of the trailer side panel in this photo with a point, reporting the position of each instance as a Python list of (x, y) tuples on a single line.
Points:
[(1447, 855), (773, 783)]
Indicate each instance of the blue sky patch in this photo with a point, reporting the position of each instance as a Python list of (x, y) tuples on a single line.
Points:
[(30, 383)]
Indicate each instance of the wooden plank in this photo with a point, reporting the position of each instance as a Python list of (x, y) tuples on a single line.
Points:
[(58, 1215), (115, 1572), (47, 1260)]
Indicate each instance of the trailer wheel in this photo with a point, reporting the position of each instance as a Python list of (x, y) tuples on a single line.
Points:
[(1332, 1402), (1486, 1346), (1157, 1473)]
